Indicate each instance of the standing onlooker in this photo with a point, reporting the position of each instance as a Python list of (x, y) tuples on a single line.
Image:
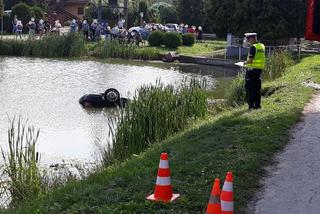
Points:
[(94, 26), (185, 29), (121, 23), (32, 28), (99, 29), (14, 24), (47, 25), (19, 28), (57, 26), (85, 29), (41, 28), (108, 33), (199, 34), (114, 32), (79, 23), (73, 26), (192, 30)]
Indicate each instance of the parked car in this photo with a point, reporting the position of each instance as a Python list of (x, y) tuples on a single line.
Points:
[(170, 27), (154, 26), (144, 32)]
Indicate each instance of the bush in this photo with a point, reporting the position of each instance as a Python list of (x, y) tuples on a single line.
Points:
[(172, 40), (236, 94), (156, 38), (188, 39), (277, 63)]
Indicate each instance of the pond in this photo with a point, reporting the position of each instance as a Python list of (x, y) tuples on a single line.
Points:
[(46, 92)]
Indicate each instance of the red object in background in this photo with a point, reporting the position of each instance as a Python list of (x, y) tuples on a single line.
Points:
[(313, 20)]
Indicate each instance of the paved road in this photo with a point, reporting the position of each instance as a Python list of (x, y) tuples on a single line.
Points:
[(293, 185)]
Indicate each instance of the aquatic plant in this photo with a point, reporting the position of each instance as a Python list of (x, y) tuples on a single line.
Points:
[(71, 45), (20, 162), (236, 93), (156, 112), (277, 64), (116, 49)]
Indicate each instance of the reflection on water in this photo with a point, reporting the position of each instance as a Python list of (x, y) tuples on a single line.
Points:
[(47, 92)]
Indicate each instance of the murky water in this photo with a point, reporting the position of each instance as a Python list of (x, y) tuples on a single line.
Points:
[(46, 92)]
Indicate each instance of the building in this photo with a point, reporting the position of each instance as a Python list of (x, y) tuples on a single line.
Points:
[(66, 10)]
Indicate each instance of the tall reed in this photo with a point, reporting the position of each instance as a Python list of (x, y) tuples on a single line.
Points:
[(71, 45), (277, 64), (156, 112), (236, 93), (116, 49), (20, 161)]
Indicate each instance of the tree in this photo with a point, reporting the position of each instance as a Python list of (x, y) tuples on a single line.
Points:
[(36, 12), (191, 11), (1, 8), (272, 19), (166, 12), (10, 3), (22, 11), (143, 8)]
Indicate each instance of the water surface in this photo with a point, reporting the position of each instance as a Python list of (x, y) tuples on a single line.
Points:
[(46, 92)]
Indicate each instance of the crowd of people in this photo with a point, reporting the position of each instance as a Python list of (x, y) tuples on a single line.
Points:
[(94, 31)]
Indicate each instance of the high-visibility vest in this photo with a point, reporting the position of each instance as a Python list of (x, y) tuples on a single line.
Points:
[(259, 59)]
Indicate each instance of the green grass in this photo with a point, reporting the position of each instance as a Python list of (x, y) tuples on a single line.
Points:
[(202, 49), (237, 140)]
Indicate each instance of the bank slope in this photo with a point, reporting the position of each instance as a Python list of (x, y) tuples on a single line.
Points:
[(236, 140)]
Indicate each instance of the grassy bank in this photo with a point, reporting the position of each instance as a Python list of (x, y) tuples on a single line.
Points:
[(236, 140), (74, 45)]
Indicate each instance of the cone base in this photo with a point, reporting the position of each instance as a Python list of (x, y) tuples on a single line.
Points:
[(174, 197)]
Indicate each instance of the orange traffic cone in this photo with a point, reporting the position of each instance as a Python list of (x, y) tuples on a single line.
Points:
[(214, 206), (227, 195), (163, 189)]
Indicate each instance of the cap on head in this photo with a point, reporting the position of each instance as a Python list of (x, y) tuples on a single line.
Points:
[(248, 35)]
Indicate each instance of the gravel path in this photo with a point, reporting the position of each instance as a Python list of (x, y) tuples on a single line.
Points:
[(293, 184)]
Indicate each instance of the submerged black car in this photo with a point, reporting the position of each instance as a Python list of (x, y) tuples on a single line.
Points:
[(110, 98)]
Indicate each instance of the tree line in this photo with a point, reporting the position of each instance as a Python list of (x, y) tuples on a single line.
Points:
[(272, 19)]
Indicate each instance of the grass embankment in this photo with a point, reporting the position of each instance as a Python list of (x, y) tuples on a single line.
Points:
[(236, 140), (74, 45)]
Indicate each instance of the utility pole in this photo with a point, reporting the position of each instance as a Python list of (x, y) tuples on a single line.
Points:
[(126, 13), (99, 10), (2, 14)]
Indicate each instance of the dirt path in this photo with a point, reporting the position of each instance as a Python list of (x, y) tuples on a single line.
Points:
[(293, 184)]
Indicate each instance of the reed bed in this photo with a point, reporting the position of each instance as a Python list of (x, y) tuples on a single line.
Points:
[(22, 177), (277, 64), (156, 112), (20, 162), (116, 49), (71, 45)]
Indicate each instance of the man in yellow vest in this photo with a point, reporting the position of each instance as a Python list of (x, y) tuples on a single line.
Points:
[(255, 64)]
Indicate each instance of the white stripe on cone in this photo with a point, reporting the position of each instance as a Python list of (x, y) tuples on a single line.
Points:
[(163, 181), (227, 186), (226, 206), (164, 164)]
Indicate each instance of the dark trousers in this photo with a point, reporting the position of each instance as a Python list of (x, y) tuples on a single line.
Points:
[(253, 88)]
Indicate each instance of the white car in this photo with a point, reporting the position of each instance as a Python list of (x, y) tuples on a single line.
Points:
[(171, 27)]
